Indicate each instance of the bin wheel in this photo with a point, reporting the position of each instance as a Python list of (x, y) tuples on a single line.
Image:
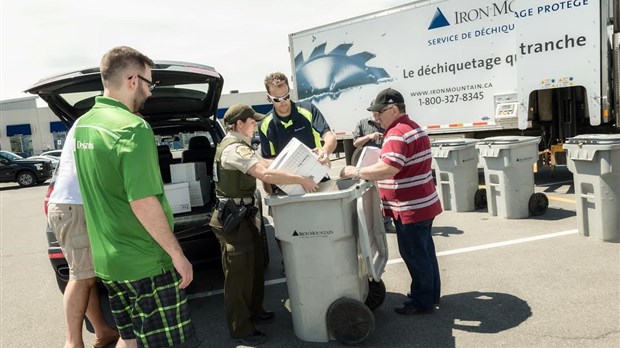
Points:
[(349, 321), (538, 204), (376, 294), (480, 198)]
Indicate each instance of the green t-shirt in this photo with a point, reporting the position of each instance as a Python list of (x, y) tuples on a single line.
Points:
[(117, 163)]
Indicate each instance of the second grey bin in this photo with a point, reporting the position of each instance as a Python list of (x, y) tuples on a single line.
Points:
[(594, 159), (456, 171), (509, 176)]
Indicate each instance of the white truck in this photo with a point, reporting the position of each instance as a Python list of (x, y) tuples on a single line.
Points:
[(475, 68)]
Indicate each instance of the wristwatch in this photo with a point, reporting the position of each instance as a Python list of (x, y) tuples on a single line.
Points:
[(357, 173)]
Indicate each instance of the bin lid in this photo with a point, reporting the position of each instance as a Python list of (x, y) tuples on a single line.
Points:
[(369, 156), (346, 188), (504, 142), (371, 232), (595, 139), (456, 142)]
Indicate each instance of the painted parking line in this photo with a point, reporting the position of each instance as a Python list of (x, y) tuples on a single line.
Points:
[(442, 253), (560, 199)]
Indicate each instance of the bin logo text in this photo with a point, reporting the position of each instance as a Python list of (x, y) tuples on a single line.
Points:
[(313, 234)]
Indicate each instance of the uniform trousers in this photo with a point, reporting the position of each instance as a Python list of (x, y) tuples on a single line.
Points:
[(243, 262)]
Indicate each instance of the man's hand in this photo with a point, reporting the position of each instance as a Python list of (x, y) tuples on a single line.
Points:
[(182, 265), (376, 136), (308, 184), (323, 157), (348, 172)]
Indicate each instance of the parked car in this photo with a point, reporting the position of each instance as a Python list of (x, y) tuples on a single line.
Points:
[(52, 153), (182, 107), (25, 172), (53, 160)]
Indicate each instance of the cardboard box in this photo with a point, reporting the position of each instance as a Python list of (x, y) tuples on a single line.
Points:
[(186, 172), (200, 191), (178, 197), (297, 158)]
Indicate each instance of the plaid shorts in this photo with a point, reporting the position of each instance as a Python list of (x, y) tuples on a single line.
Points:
[(152, 310)]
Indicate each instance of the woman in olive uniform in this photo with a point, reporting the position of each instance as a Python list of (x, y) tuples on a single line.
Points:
[(237, 167)]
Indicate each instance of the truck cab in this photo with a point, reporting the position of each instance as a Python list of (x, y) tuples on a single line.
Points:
[(25, 172)]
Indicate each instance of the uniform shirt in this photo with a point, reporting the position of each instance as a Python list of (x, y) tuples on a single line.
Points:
[(238, 156), (66, 187), (365, 127), (306, 123), (410, 195), (117, 163)]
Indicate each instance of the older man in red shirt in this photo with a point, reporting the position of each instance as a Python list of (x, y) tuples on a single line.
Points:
[(408, 195)]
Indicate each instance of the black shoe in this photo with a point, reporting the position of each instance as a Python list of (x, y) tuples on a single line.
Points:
[(436, 303), (407, 309), (265, 317), (254, 339)]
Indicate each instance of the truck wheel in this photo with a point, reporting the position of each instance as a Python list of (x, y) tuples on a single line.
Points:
[(538, 204), (350, 321), (376, 294), (26, 179), (480, 199)]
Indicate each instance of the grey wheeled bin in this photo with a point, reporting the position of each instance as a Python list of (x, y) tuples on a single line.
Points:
[(334, 249), (594, 159), (456, 171), (509, 176)]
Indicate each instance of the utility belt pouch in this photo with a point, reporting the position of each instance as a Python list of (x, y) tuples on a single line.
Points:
[(232, 215)]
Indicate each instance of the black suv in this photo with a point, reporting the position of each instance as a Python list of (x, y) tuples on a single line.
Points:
[(25, 172), (182, 112)]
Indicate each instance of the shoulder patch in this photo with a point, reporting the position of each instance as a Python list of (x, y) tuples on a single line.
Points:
[(244, 151)]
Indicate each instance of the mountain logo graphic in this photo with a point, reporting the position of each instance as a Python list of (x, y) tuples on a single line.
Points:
[(295, 234), (439, 20)]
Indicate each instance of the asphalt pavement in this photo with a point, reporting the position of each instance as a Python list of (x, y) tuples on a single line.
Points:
[(532, 282)]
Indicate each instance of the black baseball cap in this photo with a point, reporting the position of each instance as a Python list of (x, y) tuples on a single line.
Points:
[(386, 97), (241, 112)]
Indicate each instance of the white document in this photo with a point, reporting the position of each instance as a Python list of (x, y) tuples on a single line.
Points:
[(297, 158)]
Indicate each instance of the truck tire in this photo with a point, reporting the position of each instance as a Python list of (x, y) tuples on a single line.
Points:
[(26, 178)]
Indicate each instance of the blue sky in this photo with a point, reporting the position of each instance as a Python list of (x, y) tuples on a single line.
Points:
[(243, 39)]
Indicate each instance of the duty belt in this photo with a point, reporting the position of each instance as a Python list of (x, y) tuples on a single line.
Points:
[(238, 201)]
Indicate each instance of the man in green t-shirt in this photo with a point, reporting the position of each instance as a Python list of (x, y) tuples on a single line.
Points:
[(129, 220)]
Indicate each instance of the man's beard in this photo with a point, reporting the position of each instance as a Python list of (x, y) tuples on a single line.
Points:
[(138, 100)]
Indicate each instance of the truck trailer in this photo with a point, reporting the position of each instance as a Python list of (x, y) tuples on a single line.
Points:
[(473, 69)]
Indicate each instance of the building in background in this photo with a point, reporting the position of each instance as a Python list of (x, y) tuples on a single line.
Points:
[(28, 127)]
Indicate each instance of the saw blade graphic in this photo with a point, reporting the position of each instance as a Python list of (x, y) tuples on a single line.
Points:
[(335, 71)]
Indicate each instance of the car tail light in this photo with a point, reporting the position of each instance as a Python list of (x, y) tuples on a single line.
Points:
[(56, 255), (50, 188)]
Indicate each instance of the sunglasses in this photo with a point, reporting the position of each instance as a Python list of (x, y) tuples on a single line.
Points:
[(279, 99), (149, 83)]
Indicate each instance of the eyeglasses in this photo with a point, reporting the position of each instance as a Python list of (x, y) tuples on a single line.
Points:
[(385, 109), (279, 99), (149, 83)]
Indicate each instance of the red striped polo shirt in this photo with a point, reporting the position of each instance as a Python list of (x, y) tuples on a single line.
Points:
[(410, 195)]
